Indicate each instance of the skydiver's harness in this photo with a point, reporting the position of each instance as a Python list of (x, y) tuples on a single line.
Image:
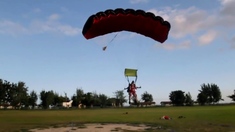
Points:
[(129, 84)]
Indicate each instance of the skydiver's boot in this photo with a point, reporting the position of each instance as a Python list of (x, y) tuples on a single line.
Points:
[(129, 100)]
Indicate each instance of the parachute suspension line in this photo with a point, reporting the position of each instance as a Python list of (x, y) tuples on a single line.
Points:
[(127, 79), (136, 78), (105, 47)]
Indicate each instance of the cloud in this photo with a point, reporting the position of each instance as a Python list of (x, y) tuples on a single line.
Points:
[(198, 24), (53, 17), (227, 13), (12, 28), (207, 38), (192, 20), (50, 25), (228, 7), (138, 1), (184, 22), (170, 46), (233, 42)]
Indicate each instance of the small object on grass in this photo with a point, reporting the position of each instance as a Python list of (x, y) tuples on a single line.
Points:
[(180, 117), (165, 118)]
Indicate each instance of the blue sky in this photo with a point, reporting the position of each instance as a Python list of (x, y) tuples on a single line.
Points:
[(42, 45)]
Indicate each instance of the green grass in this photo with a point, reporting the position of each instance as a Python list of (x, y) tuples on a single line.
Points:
[(198, 118)]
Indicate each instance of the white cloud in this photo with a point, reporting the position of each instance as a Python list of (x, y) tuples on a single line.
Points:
[(163, 14), (228, 7), (12, 28), (183, 21), (198, 24), (138, 1), (207, 38), (192, 20), (53, 17), (226, 15), (51, 25), (170, 46)]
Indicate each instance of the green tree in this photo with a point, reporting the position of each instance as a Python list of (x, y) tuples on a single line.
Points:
[(177, 97), (111, 101), (58, 99), (188, 99), (216, 94), (14, 94), (96, 99), (202, 98), (88, 99), (120, 98), (10, 93), (47, 98), (2, 92), (33, 97), (18, 95), (103, 100), (6, 93), (147, 97), (209, 93), (78, 97), (232, 96)]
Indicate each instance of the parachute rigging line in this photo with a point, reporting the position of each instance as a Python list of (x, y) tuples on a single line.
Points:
[(105, 47)]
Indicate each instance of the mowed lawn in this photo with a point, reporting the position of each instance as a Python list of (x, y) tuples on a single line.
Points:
[(198, 118)]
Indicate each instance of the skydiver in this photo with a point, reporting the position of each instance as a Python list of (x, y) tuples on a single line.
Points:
[(132, 91)]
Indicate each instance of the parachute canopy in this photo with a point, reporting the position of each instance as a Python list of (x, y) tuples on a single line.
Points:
[(130, 72), (138, 21)]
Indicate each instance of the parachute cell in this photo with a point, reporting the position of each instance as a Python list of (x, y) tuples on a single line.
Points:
[(139, 21)]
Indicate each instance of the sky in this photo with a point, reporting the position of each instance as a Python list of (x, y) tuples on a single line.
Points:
[(42, 45)]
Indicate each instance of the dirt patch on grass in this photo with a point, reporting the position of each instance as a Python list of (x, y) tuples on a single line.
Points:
[(98, 128)]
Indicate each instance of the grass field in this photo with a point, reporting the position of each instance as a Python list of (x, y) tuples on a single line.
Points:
[(198, 118)]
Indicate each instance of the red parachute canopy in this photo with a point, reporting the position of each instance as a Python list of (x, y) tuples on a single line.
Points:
[(139, 21)]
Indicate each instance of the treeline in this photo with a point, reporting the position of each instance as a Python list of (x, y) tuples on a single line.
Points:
[(17, 95), (208, 94)]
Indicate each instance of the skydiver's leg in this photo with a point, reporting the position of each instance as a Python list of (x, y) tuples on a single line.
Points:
[(135, 95), (129, 97)]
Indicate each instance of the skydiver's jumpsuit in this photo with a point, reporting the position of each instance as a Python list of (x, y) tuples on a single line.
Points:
[(132, 91)]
